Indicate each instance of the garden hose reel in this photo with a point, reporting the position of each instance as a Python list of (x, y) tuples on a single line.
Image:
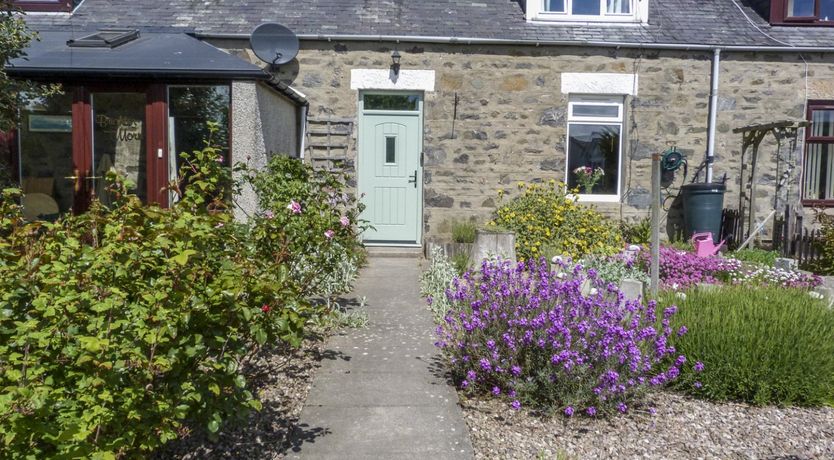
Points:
[(670, 161)]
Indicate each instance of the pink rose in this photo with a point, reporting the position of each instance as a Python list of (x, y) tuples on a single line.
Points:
[(295, 207), (329, 234), (344, 221), (269, 215)]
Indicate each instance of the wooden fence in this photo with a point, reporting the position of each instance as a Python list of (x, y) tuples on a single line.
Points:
[(796, 241)]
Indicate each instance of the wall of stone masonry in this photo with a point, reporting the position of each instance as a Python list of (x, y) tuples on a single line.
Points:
[(510, 123)]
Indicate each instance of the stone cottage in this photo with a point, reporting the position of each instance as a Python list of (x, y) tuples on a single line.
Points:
[(438, 104)]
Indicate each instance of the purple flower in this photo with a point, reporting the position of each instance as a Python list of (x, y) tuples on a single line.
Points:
[(344, 221), (569, 411), (329, 234), (622, 407), (699, 366), (294, 207), (697, 385), (592, 411), (269, 214), (496, 391), (682, 331), (515, 405)]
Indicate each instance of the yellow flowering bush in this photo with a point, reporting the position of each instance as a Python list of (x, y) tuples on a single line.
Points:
[(547, 221)]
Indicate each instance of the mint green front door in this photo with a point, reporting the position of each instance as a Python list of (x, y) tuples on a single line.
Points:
[(390, 176)]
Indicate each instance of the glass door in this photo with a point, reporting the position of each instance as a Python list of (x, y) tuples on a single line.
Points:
[(49, 176), (118, 140)]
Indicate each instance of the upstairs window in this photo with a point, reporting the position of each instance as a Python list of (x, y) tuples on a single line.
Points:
[(58, 6), (803, 12), (587, 10)]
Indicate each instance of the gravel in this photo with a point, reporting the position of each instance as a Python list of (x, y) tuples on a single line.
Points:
[(281, 377), (682, 428)]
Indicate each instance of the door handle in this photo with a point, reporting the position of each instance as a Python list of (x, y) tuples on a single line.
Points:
[(76, 177), (413, 179)]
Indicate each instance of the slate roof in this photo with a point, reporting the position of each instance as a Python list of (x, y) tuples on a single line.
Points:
[(173, 55), (700, 22)]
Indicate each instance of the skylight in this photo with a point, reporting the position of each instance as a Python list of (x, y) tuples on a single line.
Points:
[(105, 38)]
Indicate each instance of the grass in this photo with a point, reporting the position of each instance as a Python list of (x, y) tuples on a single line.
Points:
[(764, 346), (461, 262), (756, 256), (463, 232)]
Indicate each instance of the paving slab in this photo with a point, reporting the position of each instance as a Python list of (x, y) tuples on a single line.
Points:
[(385, 394)]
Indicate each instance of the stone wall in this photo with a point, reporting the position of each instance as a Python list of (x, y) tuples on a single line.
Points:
[(498, 116)]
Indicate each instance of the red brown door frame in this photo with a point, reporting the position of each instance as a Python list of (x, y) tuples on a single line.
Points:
[(156, 142)]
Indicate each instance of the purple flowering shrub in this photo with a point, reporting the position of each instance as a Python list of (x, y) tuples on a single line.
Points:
[(526, 334), (682, 269)]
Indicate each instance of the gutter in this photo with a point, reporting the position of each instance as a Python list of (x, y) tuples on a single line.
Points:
[(502, 41)]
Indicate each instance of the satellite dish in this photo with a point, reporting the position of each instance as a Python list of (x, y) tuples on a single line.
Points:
[(274, 43)]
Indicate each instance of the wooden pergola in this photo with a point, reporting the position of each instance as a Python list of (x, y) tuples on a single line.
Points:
[(752, 137)]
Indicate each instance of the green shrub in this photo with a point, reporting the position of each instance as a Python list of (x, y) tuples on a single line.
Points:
[(756, 256), (436, 280), (545, 219), (638, 232), (123, 326), (463, 232), (312, 206), (825, 244), (461, 262), (760, 345)]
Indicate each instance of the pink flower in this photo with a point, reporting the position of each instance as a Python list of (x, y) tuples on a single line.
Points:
[(344, 221), (295, 207), (265, 308), (329, 234), (269, 214)]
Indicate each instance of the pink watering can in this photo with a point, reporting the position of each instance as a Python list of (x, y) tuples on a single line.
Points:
[(704, 246)]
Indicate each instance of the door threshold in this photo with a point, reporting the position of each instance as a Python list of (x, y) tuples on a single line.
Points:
[(382, 244)]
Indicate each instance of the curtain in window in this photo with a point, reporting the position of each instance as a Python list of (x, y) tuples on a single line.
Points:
[(619, 7), (819, 165)]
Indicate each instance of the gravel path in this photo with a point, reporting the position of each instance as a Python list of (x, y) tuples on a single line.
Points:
[(283, 380), (682, 428)]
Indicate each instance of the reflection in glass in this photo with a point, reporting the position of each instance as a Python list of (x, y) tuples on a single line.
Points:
[(119, 142), (46, 167), (801, 8), (392, 102), (591, 110), (557, 6), (587, 7), (390, 150), (826, 10), (819, 172), (618, 6), (822, 123), (190, 109), (597, 146)]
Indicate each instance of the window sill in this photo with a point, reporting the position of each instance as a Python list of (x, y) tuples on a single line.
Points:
[(586, 20), (582, 198), (818, 203)]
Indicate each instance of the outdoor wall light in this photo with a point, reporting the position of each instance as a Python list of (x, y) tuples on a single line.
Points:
[(395, 62)]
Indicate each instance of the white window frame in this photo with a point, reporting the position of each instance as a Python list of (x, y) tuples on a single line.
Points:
[(608, 101), (535, 12)]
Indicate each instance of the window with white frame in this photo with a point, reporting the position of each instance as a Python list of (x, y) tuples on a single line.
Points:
[(818, 167), (587, 10), (594, 147)]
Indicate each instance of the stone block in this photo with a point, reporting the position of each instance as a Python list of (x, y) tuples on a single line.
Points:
[(632, 289), (786, 264), (494, 244)]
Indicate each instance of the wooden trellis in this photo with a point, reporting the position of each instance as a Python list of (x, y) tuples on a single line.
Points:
[(329, 143), (752, 137)]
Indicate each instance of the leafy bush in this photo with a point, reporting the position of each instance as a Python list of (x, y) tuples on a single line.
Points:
[(759, 345), (309, 218), (543, 216), (756, 256), (463, 231), (528, 334), (638, 232), (825, 244), (613, 269), (436, 281), (121, 327)]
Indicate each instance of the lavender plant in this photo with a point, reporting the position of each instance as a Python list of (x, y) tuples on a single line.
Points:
[(529, 335)]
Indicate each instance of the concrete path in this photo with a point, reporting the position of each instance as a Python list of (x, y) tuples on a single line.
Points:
[(382, 393)]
